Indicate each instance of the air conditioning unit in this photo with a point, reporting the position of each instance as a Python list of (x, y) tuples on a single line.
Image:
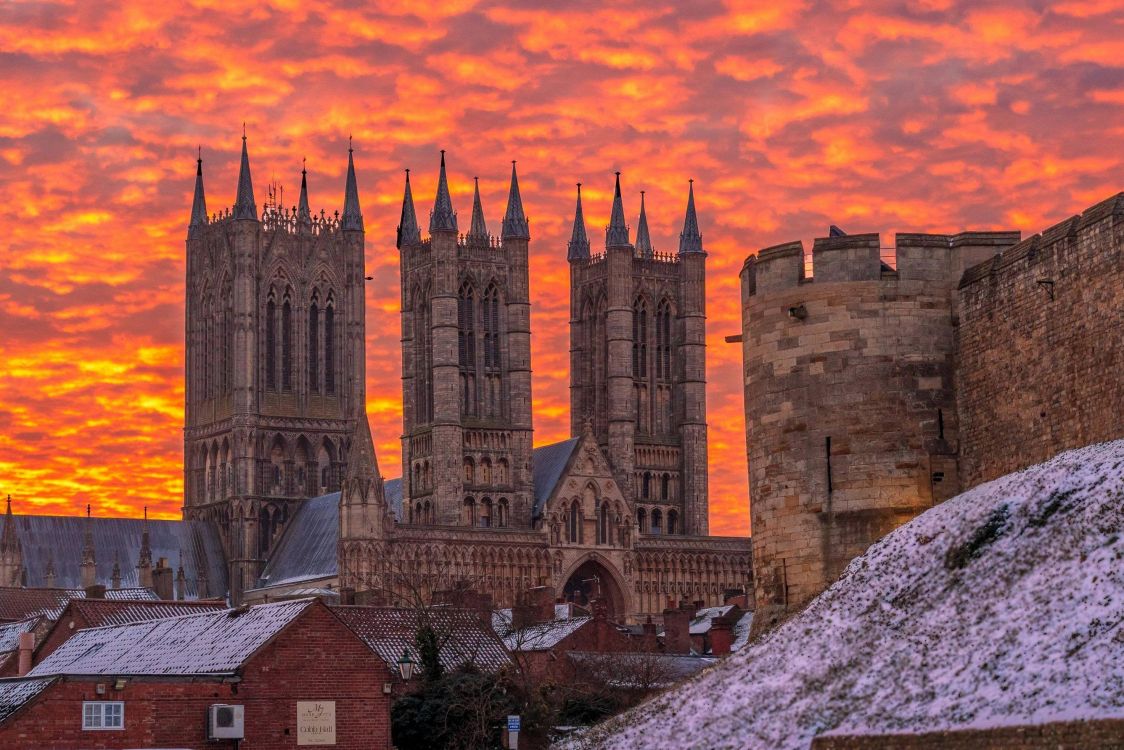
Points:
[(226, 722)]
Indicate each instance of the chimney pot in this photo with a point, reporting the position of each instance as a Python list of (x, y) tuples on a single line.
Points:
[(26, 646)]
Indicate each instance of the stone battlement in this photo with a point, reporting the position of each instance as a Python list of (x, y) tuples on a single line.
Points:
[(937, 258)]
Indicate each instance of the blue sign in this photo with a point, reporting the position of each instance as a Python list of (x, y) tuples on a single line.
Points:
[(513, 723)]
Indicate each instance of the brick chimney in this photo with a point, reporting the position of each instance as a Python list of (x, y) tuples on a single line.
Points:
[(721, 636), (97, 591), (677, 629), (648, 639), (162, 579), (736, 597), (26, 646)]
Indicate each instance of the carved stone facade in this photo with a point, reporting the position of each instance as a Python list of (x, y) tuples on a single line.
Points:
[(275, 415), (275, 368)]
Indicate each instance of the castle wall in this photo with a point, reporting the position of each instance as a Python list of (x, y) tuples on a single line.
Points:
[(850, 414), (1041, 346)]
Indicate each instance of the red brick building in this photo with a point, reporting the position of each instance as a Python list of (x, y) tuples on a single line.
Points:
[(150, 684)]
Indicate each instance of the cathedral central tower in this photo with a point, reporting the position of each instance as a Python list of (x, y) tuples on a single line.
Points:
[(275, 362), (466, 365)]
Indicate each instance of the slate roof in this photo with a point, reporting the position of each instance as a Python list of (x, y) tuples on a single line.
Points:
[(547, 464), (21, 603), (10, 632), (14, 694), (59, 540), (102, 612), (703, 619), (538, 637), (205, 644), (389, 631), (308, 549), (392, 490)]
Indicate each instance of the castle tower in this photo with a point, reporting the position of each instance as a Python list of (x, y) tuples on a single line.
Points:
[(466, 365), (11, 553), (638, 364), (275, 360)]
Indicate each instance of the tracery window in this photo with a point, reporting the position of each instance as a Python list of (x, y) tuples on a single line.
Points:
[(271, 343), (330, 347), (314, 346), (286, 345)]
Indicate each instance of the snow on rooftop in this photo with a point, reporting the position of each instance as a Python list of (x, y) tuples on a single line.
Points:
[(211, 643), (15, 693), (1001, 606), (538, 637)]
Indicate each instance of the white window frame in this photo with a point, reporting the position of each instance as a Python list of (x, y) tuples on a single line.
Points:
[(95, 713)]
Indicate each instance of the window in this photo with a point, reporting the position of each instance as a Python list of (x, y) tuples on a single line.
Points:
[(314, 347), (330, 349), (656, 521), (286, 346), (271, 344), (103, 715), (575, 525), (641, 520), (672, 521)]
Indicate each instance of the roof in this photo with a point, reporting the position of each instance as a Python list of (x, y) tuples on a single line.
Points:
[(392, 491), (547, 464), (10, 632), (309, 545), (541, 636), (21, 603), (703, 619), (14, 694), (657, 670), (741, 632), (59, 540), (204, 644), (103, 612), (389, 631)]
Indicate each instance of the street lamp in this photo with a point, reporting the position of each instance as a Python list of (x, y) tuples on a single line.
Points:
[(406, 666)]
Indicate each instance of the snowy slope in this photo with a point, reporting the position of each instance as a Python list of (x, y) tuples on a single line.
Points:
[(1003, 604)]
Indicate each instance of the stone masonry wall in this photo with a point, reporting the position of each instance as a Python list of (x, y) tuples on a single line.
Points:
[(1041, 346), (850, 418), (1105, 734)]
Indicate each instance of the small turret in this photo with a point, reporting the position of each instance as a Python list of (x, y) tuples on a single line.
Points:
[(579, 241), (304, 215), (199, 202), (116, 576), (11, 552), (479, 229), (244, 206), (643, 239), (515, 224), (690, 241), (616, 235), (408, 231), (50, 572), (89, 561), (443, 218), (144, 560), (181, 580), (352, 217)]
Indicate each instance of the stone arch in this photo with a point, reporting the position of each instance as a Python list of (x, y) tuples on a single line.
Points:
[(590, 572)]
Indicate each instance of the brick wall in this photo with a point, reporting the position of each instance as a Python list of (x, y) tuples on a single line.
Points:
[(1106, 734), (1041, 346), (315, 658)]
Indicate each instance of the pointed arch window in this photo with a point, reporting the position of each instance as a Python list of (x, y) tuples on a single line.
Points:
[(603, 535), (574, 534), (657, 520), (642, 520), (672, 522), (286, 345), (271, 343), (423, 392), (663, 341), (314, 345), (492, 328), (640, 339), (330, 347)]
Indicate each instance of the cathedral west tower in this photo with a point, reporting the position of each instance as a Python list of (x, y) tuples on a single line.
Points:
[(466, 365), (275, 362), (638, 364)]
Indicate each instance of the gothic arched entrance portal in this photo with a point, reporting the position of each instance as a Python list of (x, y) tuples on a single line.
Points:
[(593, 580)]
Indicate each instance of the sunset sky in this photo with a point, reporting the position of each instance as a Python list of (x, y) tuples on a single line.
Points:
[(923, 116)]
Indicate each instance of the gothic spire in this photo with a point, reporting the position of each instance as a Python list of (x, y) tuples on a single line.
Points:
[(145, 557), (244, 206), (643, 239), (352, 216), (616, 235), (199, 203), (579, 240), (89, 562), (690, 241), (361, 460), (408, 232), (478, 228), (443, 218), (8, 539), (514, 221), (304, 215)]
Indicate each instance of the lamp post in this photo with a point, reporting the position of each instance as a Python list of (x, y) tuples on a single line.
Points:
[(406, 666)]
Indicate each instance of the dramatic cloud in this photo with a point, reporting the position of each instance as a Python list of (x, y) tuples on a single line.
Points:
[(877, 116)]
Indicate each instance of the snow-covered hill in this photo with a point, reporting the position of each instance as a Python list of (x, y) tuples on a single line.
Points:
[(1002, 605)]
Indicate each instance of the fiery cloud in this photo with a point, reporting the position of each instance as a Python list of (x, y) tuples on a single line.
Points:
[(789, 115)]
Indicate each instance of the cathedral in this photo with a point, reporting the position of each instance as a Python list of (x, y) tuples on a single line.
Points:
[(281, 479)]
